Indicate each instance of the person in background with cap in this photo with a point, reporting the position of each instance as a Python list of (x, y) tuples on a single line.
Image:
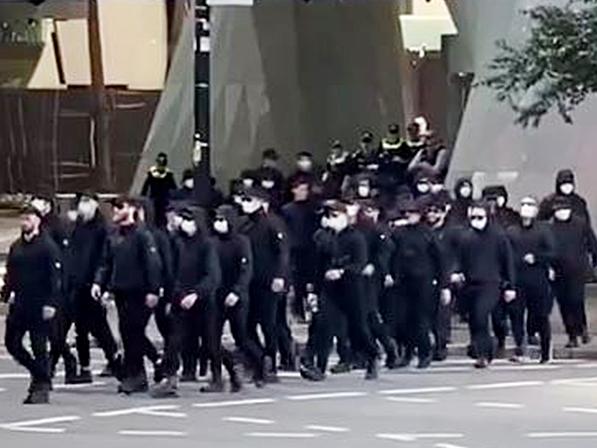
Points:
[(336, 172), (461, 202), (269, 176), (271, 263), (485, 269), (306, 171), (565, 189), (496, 196), (185, 194), (32, 288), (55, 228), (196, 278), (87, 242), (575, 245), (158, 186), (416, 266), (534, 249), (130, 272)]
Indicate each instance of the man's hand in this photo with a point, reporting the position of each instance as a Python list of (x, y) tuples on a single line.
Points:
[(529, 259), (457, 278), (278, 285), (96, 292), (334, 275), (106, 299), (48, 312), (369, 270), (188, 301), (151, 300), (231, 300), (445, 297), (551, 274), (11, 298), (509, 295), (388, 282)]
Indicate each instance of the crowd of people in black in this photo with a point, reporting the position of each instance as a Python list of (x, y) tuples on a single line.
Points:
[(372, 251)]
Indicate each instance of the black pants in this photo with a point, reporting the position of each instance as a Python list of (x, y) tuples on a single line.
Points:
[(535, 291), (396, 316), (316, 351), (237, 318), (570, 294), (263, 309), (91, 319), (481, 299), (187, 327), (59, 328), (419, 294), (19, 324), (133, 316), (514, 311)]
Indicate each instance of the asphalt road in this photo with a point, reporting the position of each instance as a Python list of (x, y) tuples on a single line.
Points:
[(449, 406)]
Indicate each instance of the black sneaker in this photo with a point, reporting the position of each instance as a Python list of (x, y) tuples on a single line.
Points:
[(213, 387), (39, 394), (340, 368), (481, 363), (167, 388), (586, 338), (372, 370), (134, 385), (70, 369), (572, 343), (84, 377), (311, 373), (404, 362), (424, 363)]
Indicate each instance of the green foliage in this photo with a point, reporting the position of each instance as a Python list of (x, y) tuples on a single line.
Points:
[(555, 68)]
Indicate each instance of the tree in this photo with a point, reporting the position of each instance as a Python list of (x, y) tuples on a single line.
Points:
[(556, 67)]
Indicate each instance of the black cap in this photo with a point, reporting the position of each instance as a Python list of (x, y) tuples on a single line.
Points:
[(119, 201), (565, 177), (304, 154), (270, 154), (188, 174), (336, 144), (88, 194), (257, 192)]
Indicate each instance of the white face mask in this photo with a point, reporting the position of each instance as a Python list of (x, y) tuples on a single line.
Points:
[(436, 188), (338, 223), (352, 210), (423, 187), (325, 222), (189, 183), (87, 209), (363, 191), (250, 207), (500, 201), (466, 192), (563, 214), (72, 215), (268, 184), (189, 228), (221, 226), (567, 188), (304, 165), (479, 224), (247, 183), (528, 211)]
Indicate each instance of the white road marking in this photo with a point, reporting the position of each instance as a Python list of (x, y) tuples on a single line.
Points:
[(581, 410), (78, 386), (561, 435), (421, 436), (325, 396), (583, 382), (283, 435), (497, 405), (591, 365), (222, 404), (413, 400), (447, 445), (37, 425), (289, 375), (253, 421), (335, 429), (423, 390), (446, 369), (522, 368), (131, 432), (14, 376), (505, 385), (153, 411)]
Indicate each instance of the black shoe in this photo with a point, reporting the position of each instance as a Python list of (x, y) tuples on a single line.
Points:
[(533, 340), (572, 343), (404, 362), (167, 388), (545, 360), (481, 363), (340, 368), (188, 377), (392, 355), (134, 385), (84, 377), (270, 375), (311, 373), (440, 355), (236, 381), (259, 383), (158, 371), (213, 387), (70, 369), (424, 363), (586, 338), (39, 393), (500, 352), (372, 370)]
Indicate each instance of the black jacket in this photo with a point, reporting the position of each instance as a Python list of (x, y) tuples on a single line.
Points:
[(159, 184), (130, 262), (448, 239), (380, 247), (537, 240), (348, 251), (269, 245), (575, 243), (84, 253), (302, 221), (486, 257), (33, 274), (197, 268)]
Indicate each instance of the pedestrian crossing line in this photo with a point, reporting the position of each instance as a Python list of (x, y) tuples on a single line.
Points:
[(498, 405), (325, 396), (154, 411), (581, 410), (283, 435), (413, 400), (38, 425), (252, 421), (583, 382), (332, 429), (155, 433), (420, 436), (78, 386), (447, 445), (422, 390), (562, 435), (223, 404), (509, 385)]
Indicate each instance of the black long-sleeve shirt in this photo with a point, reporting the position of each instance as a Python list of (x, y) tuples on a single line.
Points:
[(349, 253), (380, 247), (535, 239), (84, 253), (486, 257), (302, 221), (33, 274), (130, 262), (236, 264), (575, 242)]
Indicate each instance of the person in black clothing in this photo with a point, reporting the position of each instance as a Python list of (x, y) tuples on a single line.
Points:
[(84, 253), (379, 250), (364, 157), (343, 285), (159, 186), (232, 297), (463, 199), (56, 229), (271, 256), (496, 197), (270, 177), (565, 189), (307, 172), (416, 267), (197, 276), (336, 171), (130, 271), (534, 249), (485, 266), (32, 288), (185, 194), (575, 244), (302, 221), (436, 212)]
